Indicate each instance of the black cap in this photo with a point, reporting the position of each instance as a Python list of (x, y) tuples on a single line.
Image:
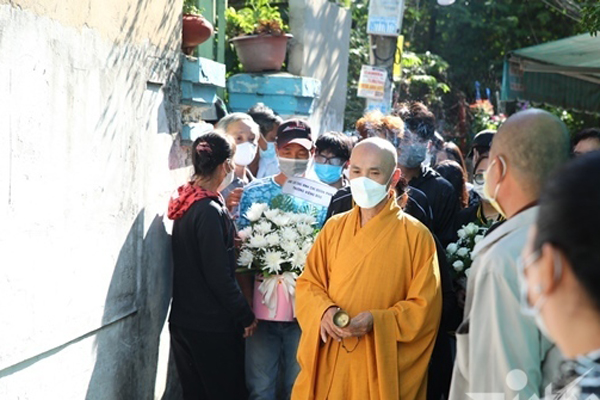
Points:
[(482, 139), (294, 131)]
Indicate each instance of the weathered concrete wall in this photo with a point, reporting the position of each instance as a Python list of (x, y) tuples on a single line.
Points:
[(88, 158), (320, 49)]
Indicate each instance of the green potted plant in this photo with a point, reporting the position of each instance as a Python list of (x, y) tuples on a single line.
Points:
[(259, 35), (196, 28)]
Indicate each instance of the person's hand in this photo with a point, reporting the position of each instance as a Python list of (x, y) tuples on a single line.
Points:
[(233, 199), (328, 328), (359, 325), (249, 330)]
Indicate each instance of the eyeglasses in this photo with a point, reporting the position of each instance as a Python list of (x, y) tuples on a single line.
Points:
[(479, 178), (335, 161)]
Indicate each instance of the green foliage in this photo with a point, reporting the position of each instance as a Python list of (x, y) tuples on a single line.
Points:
[(359, 55), (573, 120), (189, 7), (424, 78), (286, 203), (475, 36), (256, 17), (590, 17)]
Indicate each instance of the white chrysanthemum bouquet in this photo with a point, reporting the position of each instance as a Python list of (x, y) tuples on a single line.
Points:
[(275, 246), (276, 241), (459, 253)]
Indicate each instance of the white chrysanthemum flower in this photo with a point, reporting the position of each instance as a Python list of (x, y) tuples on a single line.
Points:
[(272, 213), (282, 220), (468, 272), (289, 234), (273, 239), (263, 227), (256, 211), (307, 245), (305, 229), (462, 233), (478, 238), (298, 260), (246, 258), (458, 266), (452, 248), (308, 219), (245, 233), (462, 252), (296, 218), (290, 247), (273, 261), (258, 241)]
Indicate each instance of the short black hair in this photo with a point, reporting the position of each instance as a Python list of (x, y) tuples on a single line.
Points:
[(588, 133), (336, 143), (417, 119), (264, 117), (569, 217)]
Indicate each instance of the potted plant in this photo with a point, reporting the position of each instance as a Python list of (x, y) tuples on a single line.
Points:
[(259, 35), (196, 28)]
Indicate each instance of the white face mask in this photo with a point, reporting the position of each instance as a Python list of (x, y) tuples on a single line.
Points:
[(226, 181), (493, 199), (534, 311), (292, 167), (244, 154), (479, 189), (367, 193)]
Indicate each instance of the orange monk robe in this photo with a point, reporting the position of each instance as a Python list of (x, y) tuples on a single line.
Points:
[(388, 267)]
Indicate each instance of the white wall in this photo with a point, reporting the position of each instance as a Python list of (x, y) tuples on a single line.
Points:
[(320, 49), (88, 158)]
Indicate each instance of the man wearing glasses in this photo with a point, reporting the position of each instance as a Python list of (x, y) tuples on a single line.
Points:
[(332, 156)]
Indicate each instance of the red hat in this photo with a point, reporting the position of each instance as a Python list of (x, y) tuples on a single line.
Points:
[(294, 131)]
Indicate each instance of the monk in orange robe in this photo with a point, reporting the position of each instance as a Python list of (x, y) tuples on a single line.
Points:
[(380, 266)]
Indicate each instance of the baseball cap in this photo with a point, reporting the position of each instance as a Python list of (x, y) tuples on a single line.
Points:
[(482, 139), (294, 131)]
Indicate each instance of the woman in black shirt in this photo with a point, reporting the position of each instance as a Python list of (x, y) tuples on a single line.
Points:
[(209, 317)]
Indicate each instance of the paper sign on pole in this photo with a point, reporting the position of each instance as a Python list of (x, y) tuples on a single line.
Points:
[(385, 17), (371, 83), (311, 191)]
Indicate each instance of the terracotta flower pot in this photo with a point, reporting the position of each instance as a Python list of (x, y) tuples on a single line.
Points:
[(259, 53), (196, 30)]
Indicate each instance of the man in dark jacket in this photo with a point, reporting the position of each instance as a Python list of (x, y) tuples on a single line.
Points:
[(419, 129)]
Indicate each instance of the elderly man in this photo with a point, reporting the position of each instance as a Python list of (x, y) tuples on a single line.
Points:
[(245, 132), (500, 351), (380, 266)]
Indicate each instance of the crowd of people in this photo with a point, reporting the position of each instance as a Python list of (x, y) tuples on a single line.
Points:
[(522, 322)]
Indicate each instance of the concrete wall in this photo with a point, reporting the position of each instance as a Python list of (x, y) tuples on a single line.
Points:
[(320, 49), (89, 155)]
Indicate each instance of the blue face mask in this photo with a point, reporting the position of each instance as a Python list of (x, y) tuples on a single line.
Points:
[(412, 155), (269, 152), (328, 173)]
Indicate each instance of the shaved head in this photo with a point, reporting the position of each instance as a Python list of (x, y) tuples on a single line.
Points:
[(378, 152), (533, 143)]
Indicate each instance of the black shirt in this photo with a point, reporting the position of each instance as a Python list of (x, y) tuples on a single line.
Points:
[(206, 296), (416, 206), (443, 201)]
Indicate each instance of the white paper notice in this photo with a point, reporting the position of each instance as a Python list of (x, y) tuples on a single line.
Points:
[(311, 191), (371, 83)]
